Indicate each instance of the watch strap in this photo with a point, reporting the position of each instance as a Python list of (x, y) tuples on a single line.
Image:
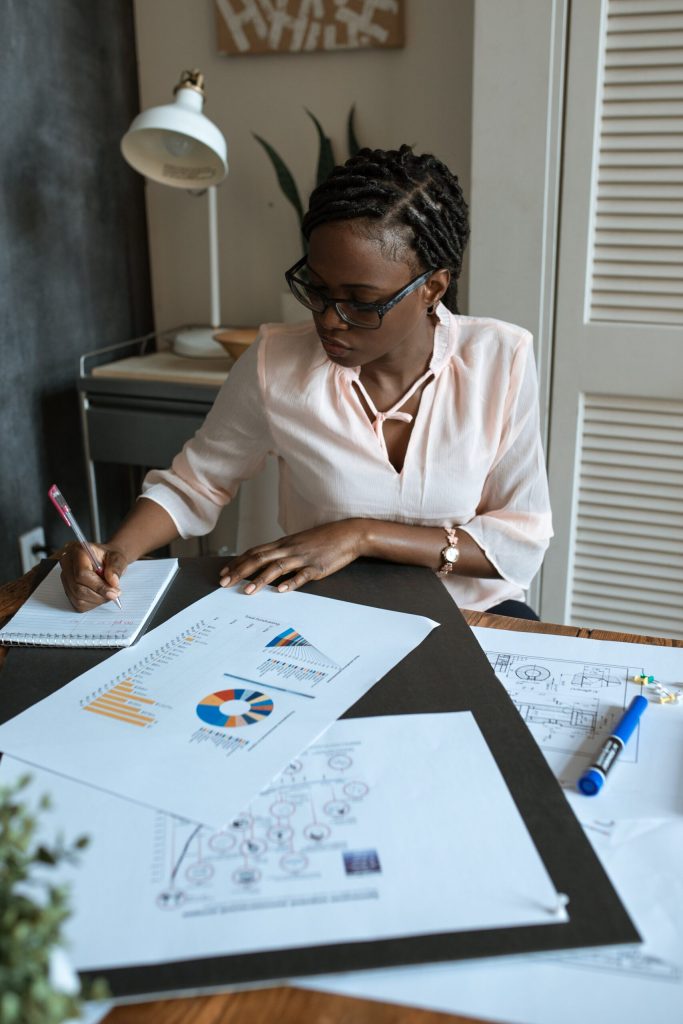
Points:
[(448, 563)]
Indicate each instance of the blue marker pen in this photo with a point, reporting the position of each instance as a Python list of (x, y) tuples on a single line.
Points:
[(593, 779)]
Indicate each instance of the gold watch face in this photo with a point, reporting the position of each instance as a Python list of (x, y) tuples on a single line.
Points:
[(450, 554)]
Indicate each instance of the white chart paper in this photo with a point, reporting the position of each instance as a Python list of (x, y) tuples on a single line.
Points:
[(631, 985), (570, 692), (209, 706), (372, 832)]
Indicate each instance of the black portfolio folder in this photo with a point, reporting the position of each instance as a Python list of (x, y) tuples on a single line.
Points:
[(447, 672)]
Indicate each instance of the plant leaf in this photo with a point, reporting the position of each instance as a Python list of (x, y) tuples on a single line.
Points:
[(284, 177), (353, 143), (325, 153)]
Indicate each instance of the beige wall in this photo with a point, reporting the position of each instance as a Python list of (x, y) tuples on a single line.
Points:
[(518, 98), (517, 113), (420, 94)]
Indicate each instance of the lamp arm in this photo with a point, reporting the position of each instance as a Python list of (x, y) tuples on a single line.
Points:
[(213, 260)]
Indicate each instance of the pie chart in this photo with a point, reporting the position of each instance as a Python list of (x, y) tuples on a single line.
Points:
[(259, 706)]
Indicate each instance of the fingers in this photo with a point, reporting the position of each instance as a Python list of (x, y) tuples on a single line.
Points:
[(273, 563), (278, 569), (309, 555), (264, 579), (274, 570), (251, 561), (113, 568), (82, 585), (84, 588), (305, 575)]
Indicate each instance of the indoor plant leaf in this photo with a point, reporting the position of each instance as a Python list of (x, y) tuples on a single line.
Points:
[(325, 154), (284, 177), (352, 142)]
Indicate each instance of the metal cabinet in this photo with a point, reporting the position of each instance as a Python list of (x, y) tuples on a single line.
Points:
[(138, 407)]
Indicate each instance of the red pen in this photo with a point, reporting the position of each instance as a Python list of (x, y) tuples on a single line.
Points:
[(59, 502)]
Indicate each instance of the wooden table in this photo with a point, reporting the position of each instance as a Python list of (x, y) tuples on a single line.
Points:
[(290, 1005)]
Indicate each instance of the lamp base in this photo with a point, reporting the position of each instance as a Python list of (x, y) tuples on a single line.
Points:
[(198, 343)]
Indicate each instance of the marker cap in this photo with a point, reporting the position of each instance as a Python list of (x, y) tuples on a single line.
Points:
[(591, 782)]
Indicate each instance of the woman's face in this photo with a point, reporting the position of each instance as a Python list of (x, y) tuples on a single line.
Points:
[(345, 264)]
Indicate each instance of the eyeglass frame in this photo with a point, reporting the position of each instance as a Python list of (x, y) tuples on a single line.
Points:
[(381, 308)]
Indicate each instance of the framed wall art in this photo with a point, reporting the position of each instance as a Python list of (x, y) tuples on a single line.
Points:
[(304, 26)]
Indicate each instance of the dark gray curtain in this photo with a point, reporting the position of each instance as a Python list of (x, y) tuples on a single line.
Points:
[(73, 244)]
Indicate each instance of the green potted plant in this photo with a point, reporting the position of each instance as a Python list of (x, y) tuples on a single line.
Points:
[(326, 161), (37, 984)]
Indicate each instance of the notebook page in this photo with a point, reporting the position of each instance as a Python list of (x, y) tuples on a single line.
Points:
[(48, 619)]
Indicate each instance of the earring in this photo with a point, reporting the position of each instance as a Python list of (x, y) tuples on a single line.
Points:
[(430, 309)]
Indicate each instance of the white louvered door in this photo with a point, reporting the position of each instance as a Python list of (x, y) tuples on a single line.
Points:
[(616, 434)]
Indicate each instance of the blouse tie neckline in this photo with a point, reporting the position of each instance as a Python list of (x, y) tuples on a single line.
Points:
[(394, 413)]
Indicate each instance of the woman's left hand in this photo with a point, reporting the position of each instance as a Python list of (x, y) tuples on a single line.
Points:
[(310, 555)]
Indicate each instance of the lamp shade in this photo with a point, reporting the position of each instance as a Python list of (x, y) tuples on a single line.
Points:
[(176, 144)]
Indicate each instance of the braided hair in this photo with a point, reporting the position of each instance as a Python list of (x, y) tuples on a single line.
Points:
[(415, 197)]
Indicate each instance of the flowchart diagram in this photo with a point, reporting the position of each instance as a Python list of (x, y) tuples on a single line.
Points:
[(292, 844)]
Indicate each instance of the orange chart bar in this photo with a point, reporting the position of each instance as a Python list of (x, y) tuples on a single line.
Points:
[(125, 689), (120, 705), (123, 704), (111, 714)]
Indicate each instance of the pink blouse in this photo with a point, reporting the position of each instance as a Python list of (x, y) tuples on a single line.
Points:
[(474, 457)]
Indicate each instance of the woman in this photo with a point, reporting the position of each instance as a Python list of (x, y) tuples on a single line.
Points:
[(402, 430)]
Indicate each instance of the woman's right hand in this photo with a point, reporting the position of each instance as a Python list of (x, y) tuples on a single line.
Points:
[(84, 588)]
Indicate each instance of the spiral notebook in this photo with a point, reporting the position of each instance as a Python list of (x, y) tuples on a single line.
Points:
[(48, 620)]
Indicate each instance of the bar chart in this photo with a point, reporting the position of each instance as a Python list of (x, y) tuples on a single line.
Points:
[(127, 701)]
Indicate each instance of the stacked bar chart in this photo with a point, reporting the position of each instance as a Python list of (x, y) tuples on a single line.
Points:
[(293, 645), (126, 698), (126, 701)]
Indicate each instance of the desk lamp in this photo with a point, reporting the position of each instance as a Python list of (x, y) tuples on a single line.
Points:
[(177, 145)]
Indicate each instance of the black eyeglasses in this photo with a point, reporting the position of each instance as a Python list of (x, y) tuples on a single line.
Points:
[(359, 314)]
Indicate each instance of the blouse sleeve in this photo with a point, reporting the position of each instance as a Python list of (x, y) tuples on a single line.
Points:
[(513, 524), (229, 447)]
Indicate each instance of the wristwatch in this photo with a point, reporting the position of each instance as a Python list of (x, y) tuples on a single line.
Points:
[(450, 554)]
